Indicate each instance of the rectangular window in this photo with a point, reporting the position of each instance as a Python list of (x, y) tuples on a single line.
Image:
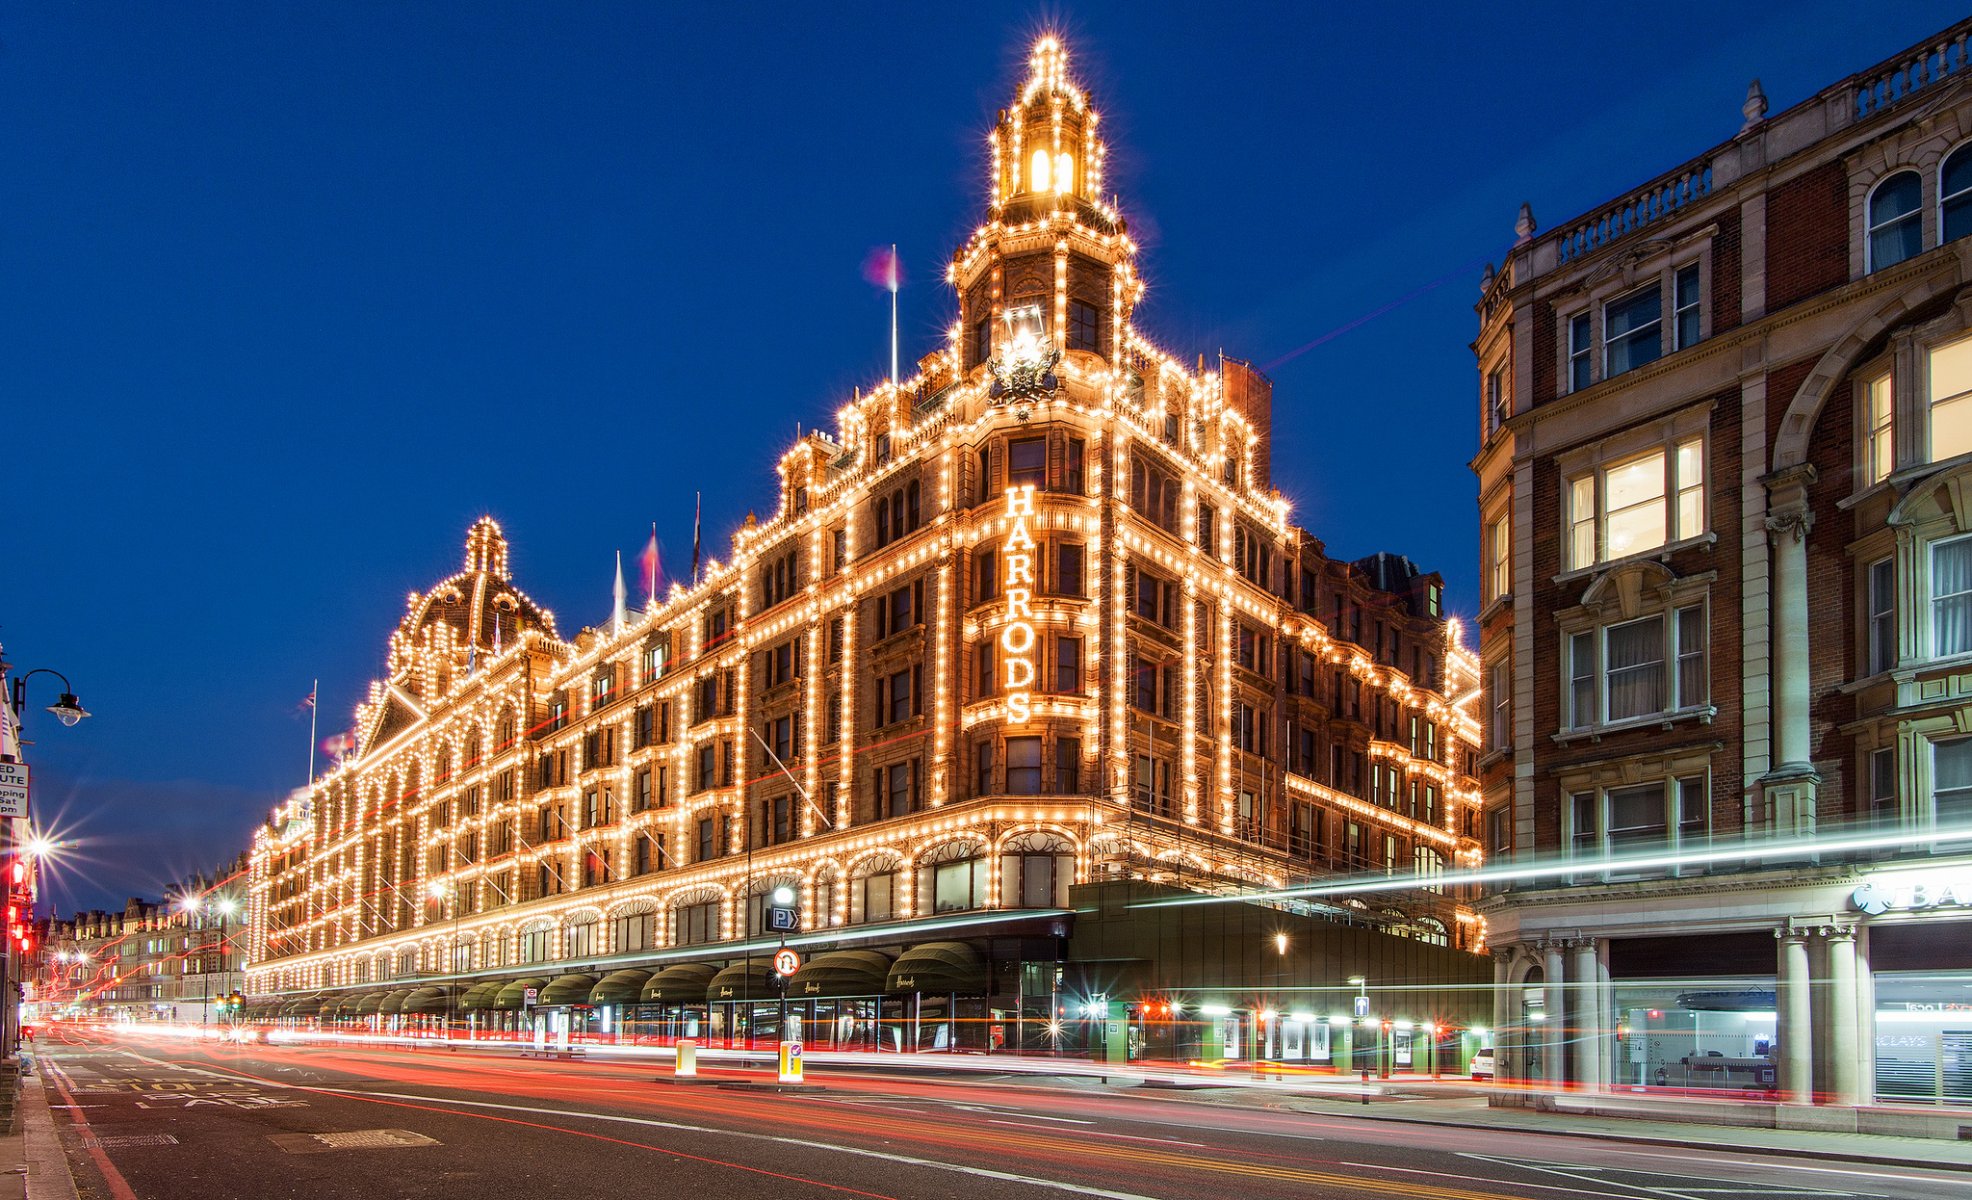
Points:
[(1023, 766), (1499, 561), (1637, 505), (1686, 308), (1076, 481), (1882, 616), (985, 576), (1027, 462), (1951, 781), (1067, 766), (1068, 666), (1951, 399), (1500, 695), (1084, 325), (1496, 402), (1581, 346), (1068, 569), (983, 763), (1632, 331), (1634, 677), (1951, 597), (1879, 440), (1883, 806), (1208, 530)]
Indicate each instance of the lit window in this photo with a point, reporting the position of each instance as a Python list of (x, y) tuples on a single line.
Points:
[(1041, 174), (1027, 462), (1879, 442), (1084, 325), (1637, 505), (1499, 566), (1895, 229), (1951, 399), (1686, 308), (1637, 668), (1064, 174), (1955, 195), (1632, 331), (1951, 597)]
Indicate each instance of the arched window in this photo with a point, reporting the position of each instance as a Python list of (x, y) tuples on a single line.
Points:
[(1955, 195), (873, 890), (1035, 871), (954, 877), (1431, 931), (581, 938), (531, 944), (633, 927), (1040, 175), (1896, 230)]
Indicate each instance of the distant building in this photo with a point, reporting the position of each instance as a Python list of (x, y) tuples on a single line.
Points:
[(1029, 621), (1727, 634), (153, 961)]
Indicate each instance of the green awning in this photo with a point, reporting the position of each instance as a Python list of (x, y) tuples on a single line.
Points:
[(480, 995), (333, 1006), (429, 1001), (394, 1002), (841, 973), (680, 983), (620, 987), (369, 1004), (743, 980), (303, 1006), (513, 996), (568, 989), (939, 967)]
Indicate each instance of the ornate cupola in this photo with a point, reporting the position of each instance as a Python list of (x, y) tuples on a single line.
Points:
[(1053, 261)]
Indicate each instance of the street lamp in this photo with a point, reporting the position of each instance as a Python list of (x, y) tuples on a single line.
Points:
[(447, 895), (68, 710)]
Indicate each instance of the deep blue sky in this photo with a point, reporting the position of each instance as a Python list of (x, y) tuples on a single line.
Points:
[(289, 294)]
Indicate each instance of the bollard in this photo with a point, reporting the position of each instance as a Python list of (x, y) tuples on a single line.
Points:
[(790, 1062), (687, 1063)]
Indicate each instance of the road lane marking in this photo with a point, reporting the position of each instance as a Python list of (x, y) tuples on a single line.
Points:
[(680, 1127), (1099, 1133), (1592, 1174), (1783, 1164), (113, 1179)]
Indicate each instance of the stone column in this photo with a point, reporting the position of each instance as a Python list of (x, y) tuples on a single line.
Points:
[(1502, 1012), (1844, 1066), (1554, 982), (1796, 1028), (1789, 787), (1585, 1032)]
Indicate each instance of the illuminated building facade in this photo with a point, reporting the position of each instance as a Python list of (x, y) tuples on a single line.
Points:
[(1031, 620), (1723, 640)]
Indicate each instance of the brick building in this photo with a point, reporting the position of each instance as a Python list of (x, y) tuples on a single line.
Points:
[(1029, 621), (1723, 487)]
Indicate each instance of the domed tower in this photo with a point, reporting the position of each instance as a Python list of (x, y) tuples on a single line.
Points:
[(1052, 269), (469, 617)]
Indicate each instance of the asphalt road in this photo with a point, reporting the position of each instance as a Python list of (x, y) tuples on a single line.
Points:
[(159, 1119)]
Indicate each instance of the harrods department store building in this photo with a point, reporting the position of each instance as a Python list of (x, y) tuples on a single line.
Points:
[(1029, 623)]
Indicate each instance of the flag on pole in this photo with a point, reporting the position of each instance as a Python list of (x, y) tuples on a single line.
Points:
[(651, 565), (698, 508), (884, 269), (619, 595), (307, 702)]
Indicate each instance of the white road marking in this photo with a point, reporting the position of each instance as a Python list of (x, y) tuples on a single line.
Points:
[(856, 1151), (1782, 1164), (1590, 1174)]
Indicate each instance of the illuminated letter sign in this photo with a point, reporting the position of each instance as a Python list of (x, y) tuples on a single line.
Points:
[(1017, 636), (1912, 893)]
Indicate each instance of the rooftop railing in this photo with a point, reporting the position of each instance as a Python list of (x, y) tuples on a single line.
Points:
[(1898, 79), (1655, 201)]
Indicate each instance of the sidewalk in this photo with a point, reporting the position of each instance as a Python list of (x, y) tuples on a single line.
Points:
[(32, 1164), (1469, 1112)]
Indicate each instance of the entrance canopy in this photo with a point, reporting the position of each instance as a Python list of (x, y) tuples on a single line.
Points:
[(680, 983), (568, 989), (939, 967), (838, 974), (620, 987), (513, 997)]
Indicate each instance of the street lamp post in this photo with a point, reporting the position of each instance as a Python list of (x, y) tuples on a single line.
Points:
[(196, 912), (447, 895), (68, 710)]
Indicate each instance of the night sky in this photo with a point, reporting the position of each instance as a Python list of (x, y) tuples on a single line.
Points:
[(289, 294)]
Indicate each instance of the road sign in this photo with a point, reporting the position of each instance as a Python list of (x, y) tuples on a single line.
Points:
[(782, 920), (786, 962), (529, 996), (1362, 1006), (13, 789)]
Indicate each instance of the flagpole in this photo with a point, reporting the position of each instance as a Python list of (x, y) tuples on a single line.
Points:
[(314, 708), (653, 568), (893, 314), (698, 509)]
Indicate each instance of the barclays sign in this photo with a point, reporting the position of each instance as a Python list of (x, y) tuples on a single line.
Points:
[(1913, 893)]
